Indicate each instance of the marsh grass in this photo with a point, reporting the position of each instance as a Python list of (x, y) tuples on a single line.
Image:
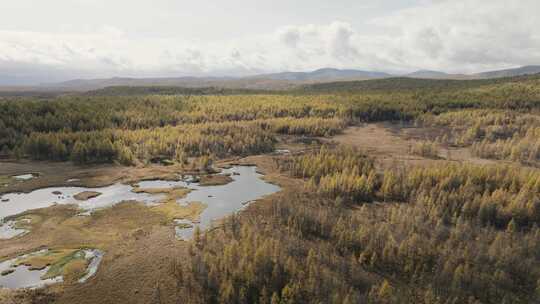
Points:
[(215, 180)]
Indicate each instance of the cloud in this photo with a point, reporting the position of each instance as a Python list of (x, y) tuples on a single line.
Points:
[(455, 36), (334, 39), (430, 42), (312, 46), (467, 35), (290, 36), (340, 35)]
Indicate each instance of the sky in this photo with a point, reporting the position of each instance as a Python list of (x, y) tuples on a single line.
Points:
[(57, 40)]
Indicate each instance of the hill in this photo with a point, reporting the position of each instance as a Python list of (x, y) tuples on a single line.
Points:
[(407, 84), (324, 74), (322, 79), (525, 70), (277, 81), (428, 74)]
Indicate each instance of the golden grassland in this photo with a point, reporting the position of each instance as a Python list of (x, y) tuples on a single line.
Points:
[(86, 195), (215, 180), (171, 209), (68, 263), (5, 180)]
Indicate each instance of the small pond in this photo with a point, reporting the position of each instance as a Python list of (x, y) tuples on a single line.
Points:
[(24, 177), (221, 200), (94, 256), (9, 229), (22, 276), (15, 203)]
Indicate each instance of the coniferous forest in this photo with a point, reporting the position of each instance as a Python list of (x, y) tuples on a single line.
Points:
[(351, 229)]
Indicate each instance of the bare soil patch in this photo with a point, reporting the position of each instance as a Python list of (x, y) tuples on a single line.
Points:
[(86, 195), (215, 180)]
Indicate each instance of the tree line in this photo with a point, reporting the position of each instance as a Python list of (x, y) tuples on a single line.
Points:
[(493, 134), (326, 114)]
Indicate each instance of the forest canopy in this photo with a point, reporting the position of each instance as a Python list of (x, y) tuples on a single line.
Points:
[(106, 128)]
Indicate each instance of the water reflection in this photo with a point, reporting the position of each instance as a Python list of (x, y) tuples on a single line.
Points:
[(222, 200), (12, 276), (15, 276), (20, 202)]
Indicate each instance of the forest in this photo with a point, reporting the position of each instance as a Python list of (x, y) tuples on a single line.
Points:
[(355, 231), (106, 128), (456, 234)]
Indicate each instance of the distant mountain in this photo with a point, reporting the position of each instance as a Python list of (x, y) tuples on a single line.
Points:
[(410, 84), (187, 82), (324, 74), (522, 71), (427, 74), (525, 70), (125, 81), (275, 81)]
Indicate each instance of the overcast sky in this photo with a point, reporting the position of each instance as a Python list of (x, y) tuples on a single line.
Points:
[(53, 40)]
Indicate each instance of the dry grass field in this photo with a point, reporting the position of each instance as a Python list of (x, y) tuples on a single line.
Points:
[(391, 144)]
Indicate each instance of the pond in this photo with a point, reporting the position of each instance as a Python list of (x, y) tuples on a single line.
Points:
[(9, 229), (14, 276), (221, 200), (15, 203), (24, 177), (94, 256)]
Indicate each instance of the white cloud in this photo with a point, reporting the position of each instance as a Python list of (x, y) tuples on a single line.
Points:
[(290, 36), (340, 36), (456, 36), (467, 35), (429, 41)]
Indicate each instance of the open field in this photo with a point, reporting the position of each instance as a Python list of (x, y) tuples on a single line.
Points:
[(391, 144)]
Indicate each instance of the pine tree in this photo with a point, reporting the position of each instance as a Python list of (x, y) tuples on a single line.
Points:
[(264, 298), (385, 292), (512, 226), (275, 299)]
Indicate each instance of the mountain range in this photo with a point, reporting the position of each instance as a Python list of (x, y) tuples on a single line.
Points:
[(521, 71), (275, 81), (327, 74)]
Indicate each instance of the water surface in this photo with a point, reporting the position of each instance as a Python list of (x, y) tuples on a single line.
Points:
[(8, 230), (24, 177), (221, 200), (23, 277), (42, 198), (94, 256)]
